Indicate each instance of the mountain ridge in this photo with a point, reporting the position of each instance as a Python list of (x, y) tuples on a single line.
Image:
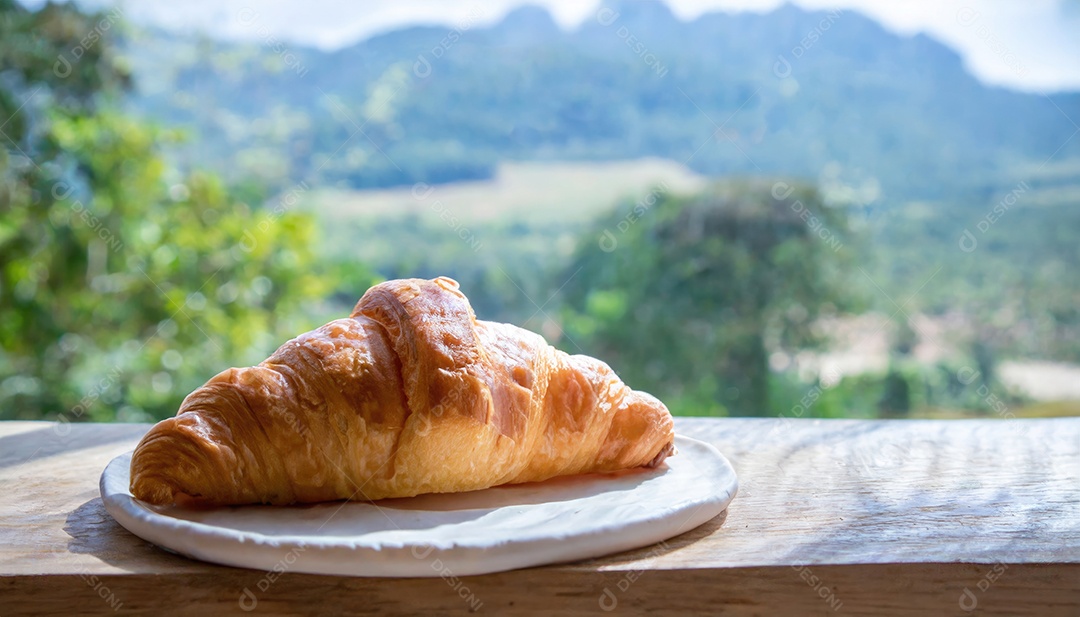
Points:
[(785, 92)]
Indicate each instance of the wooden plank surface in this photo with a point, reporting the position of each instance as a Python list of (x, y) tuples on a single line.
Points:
[(860, 517)]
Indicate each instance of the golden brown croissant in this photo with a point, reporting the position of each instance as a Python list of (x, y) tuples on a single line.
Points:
[(411, 394)]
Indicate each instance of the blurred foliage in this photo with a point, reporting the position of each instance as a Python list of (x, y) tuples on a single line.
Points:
[(1014, 279), (124, 284), (129, 275), (931, 389), (685, 296)]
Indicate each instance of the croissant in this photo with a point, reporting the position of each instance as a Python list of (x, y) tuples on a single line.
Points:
[(410, 394)]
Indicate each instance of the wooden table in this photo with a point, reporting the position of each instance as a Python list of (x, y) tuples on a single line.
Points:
[(832, 516)]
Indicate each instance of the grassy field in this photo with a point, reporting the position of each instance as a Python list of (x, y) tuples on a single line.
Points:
[(526, 193)]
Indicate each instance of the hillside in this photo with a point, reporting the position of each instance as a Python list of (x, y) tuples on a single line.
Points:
[(787, 92)]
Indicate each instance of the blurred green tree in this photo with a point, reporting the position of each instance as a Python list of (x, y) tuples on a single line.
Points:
[(124, 283), (687, 297)]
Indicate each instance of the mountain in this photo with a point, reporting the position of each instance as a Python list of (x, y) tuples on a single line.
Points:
[(789, 92)]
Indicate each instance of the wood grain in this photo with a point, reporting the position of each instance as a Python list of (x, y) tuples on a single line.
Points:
[(832, 516)]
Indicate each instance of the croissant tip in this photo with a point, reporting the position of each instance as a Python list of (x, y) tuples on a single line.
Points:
[(154, 492), (171, 461), (661, 456)]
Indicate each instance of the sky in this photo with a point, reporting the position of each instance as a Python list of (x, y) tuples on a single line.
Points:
[(1030, 45)]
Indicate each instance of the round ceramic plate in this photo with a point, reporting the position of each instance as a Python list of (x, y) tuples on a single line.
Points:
[(501, 528)]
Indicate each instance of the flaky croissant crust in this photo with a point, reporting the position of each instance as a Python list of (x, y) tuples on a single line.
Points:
[(410, 394)]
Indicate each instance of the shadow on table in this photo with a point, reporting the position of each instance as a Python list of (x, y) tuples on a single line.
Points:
[(94, 531)]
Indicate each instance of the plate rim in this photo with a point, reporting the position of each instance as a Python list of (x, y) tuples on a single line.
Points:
[(462, 559)]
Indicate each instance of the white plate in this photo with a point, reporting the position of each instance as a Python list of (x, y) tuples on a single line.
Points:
[(500, 528)]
